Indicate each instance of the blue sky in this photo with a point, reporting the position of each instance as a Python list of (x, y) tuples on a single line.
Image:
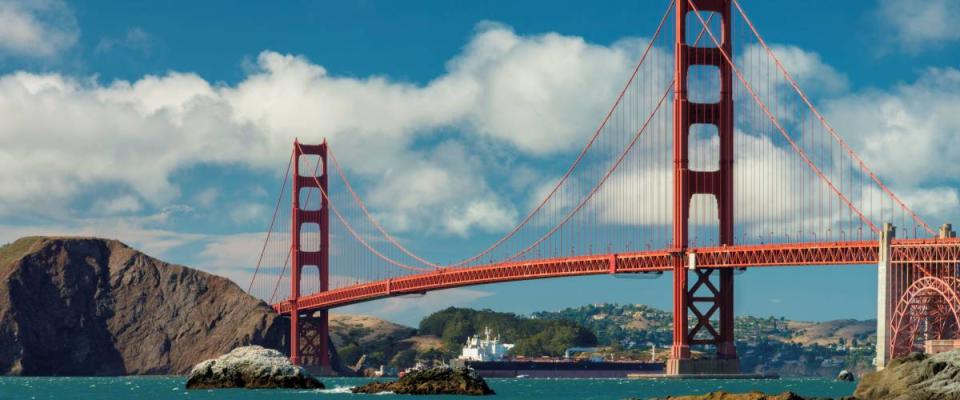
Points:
[(164, 124)]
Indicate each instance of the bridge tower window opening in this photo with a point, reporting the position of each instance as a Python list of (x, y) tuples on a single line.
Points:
[(705, 148), (309, 165), (310, 237), (703, 84), (705, 220)]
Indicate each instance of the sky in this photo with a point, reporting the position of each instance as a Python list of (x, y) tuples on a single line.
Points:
[(166, 124)]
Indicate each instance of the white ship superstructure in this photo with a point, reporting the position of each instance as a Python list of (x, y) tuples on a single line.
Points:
[(484, 349)]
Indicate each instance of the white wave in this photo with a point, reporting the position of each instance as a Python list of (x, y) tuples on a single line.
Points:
[(337, 390), (345, 390)]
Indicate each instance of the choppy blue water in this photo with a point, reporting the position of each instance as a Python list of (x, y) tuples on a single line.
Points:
[(155, 388)]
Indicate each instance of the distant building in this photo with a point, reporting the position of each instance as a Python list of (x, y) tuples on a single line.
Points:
[(484, 349), (832, 362)]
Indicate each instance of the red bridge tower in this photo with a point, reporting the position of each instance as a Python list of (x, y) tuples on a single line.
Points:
[(711, 294), (314, 351)]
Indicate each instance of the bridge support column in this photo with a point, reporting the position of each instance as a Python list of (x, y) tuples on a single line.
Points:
[(706, 293), (317, 343), (294, 333), (883, 291)]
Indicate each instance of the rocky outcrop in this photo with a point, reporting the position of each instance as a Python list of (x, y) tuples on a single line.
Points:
[(432, 381), (916, 376), (85, 306), (740, 396), (251, 367), (846, 376)]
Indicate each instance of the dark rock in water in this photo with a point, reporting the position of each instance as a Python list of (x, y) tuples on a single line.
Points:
[(846, 376), (86, 306), (251, 367), (721, 395), (432, 381), (916, 376)]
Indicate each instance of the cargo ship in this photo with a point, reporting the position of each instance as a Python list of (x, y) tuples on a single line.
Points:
[(488, 356)]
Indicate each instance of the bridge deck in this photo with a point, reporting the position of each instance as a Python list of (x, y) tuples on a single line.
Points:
[(746, 256)]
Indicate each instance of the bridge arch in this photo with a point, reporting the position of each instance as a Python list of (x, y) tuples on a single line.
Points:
[(930, 301)]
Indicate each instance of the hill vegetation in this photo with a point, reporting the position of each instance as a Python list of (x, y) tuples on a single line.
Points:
[(764, 344), (790, 348), (382, 342), (442, 334), (532, 336)]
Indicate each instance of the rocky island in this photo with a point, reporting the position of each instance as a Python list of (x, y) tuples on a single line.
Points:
[(432, 381), (251, 367), (740, 396)]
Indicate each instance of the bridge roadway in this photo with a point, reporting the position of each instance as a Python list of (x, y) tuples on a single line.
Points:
[(903, 251)]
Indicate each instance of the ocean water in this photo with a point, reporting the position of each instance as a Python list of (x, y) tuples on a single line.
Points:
[(155, 388)]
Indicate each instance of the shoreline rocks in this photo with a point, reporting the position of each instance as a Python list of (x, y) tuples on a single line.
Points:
[(755, 395), (916, 376), (846, 376), (251, 367), (721, 395), (432, 381)]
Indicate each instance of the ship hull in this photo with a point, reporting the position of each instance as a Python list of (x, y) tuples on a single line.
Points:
[(563, 369)]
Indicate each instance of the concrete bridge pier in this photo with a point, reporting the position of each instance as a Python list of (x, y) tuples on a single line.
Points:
[(883, 290)]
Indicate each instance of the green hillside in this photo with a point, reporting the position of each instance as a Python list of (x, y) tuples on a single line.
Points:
[(532, 337), (764, 344), (778, 345)]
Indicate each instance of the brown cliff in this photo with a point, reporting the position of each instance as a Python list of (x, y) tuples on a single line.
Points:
[(85, 306)]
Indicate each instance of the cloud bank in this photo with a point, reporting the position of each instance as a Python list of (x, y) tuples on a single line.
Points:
[(536, 95)]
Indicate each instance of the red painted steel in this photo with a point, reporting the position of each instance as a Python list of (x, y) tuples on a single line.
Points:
[(320, 259), (788, 254), (705, 299), (931, 301), (925, 251), (446, 278), (314, 335), (924, 292), (723, 257)]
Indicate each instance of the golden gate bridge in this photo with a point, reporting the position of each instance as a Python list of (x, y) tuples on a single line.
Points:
[(710, 160)]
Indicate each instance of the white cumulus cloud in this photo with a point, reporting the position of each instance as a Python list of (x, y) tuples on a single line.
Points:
[(36, 28), (921, 24), (538, 95), (907, 135)]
